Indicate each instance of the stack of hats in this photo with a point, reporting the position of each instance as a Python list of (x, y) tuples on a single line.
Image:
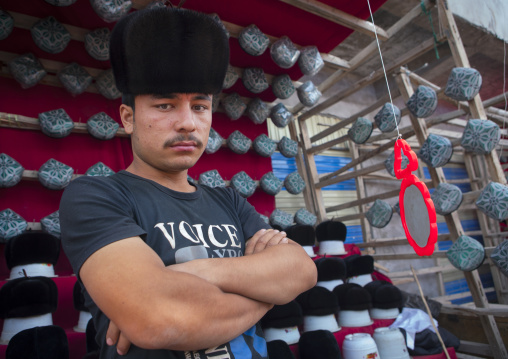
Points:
[(359, 269), (25, 303), (387, 300), (331, 272), (282, 321), (319, 306), (318, 344), (304, 235), (79, 305), (45, 342), (331, 236), (32, 254), (354, 302)]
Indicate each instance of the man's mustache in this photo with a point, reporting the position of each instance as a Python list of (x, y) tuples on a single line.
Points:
[(183, 138)]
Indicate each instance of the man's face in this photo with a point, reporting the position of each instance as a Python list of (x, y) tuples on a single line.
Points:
[(169, 133)]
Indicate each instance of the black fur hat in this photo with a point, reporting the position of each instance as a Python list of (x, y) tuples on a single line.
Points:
[(318, 301), (374, 285), (302, 234), (27, 297), (352, 296), (47, 342), (359, 264), (283, 316), (386, 296), (30, 248), (330, 268), (279, 349), (318, 344), (331, 231), (162, 50)]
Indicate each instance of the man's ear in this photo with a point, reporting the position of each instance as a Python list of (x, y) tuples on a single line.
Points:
[(127, 117)]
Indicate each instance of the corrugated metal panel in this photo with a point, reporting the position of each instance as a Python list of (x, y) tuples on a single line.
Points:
[(452, 173), (283, 166), (460, 286), (291, 203)]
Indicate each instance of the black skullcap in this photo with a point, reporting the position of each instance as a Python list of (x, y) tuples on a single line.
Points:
[(162, 50), (28, 297), (318, 344), (352, 296), (47, 342), (331, 231), (302, 234), (283, 316), (30, 248), (359, 264), (279, 349), (318, 301), (330, 268)]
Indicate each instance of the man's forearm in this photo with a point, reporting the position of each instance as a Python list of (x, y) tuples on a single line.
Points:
[(276, 275)]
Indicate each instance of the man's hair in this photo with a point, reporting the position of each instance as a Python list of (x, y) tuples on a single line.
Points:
[(128, 99)]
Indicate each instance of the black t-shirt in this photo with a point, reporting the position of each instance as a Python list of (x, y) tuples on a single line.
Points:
[(178, 226)]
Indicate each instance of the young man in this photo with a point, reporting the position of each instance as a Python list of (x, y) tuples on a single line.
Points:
[(175, 269)]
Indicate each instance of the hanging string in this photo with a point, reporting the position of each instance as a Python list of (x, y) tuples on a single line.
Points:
[(384, 71), (504, 78), (504, 95), (429, 14)]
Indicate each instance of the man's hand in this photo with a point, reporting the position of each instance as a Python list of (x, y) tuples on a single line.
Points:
[(263, 239), (115, 336)]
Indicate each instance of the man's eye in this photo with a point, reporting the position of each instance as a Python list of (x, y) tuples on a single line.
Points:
[(200, 107), (164, 106)]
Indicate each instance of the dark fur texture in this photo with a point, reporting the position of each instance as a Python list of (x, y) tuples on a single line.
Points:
[(330, 268), (32, 247), (48, 342), (279, 349), (331, 231), (283, 316), (28, 296), (359, 265), (302, 234), (163, 51), (318, 301), (352, 296), (318, 344)]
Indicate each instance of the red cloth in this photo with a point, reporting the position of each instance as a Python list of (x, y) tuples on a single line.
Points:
[(381, 323), (442, 355)]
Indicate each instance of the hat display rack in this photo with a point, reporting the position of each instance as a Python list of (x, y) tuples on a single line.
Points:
[(72, 129)]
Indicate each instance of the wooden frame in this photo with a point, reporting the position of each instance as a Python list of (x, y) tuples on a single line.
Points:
[(420, 129)]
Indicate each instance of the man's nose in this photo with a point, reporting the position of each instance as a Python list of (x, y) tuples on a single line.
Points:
[(186, 119)]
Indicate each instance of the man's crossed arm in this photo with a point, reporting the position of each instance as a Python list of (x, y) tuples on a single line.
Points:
[(158, 307)]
